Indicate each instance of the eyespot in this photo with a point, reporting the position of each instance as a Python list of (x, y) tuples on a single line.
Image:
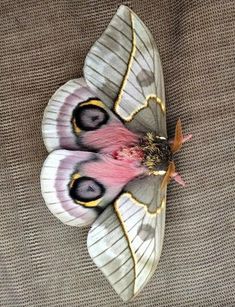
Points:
[(89, 117), (86, 189)]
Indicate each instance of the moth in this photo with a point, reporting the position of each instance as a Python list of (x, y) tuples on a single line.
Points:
[(110, 159)]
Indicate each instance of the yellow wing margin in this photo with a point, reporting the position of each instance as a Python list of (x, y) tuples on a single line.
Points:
[(123, 67), (125, 243)]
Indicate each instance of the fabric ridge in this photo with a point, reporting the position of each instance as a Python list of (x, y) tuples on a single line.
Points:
[(43, 45)]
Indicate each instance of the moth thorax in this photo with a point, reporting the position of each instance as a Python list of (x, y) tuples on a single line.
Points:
[(157, 152)]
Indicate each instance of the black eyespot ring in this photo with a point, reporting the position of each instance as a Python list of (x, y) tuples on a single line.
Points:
[(89, 117), (86, 189)]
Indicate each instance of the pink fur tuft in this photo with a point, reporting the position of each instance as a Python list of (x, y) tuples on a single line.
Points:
[(114, 172), (110, 138)]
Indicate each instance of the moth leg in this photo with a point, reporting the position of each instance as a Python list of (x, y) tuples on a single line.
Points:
[(176, 176), (187, 137), (177, 142)]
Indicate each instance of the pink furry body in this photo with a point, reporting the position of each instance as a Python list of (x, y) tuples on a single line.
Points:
[(110, 138), (121, 159)]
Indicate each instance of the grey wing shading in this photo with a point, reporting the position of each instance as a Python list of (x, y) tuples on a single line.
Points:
[(125, 242), (123, 67)]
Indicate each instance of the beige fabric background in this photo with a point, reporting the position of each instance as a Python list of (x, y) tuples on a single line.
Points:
[(43, 44)]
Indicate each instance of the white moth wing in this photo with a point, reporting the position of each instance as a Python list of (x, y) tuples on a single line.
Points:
[(62, 122), (123, 67), (77, 185), (57, 130), (56, 175), (125, 242)]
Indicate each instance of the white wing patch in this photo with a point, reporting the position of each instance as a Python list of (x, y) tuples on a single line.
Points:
[(138, 73), (123, 67), (125, 243)]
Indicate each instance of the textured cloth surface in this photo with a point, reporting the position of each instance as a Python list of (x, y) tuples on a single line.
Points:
[(44, 44)]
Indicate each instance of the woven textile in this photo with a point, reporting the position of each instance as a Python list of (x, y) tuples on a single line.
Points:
[(43, 45)]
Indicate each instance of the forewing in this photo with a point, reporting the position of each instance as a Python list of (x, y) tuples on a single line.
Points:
[(123, 67), (73, 114), (77, 185), (125, 242)]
